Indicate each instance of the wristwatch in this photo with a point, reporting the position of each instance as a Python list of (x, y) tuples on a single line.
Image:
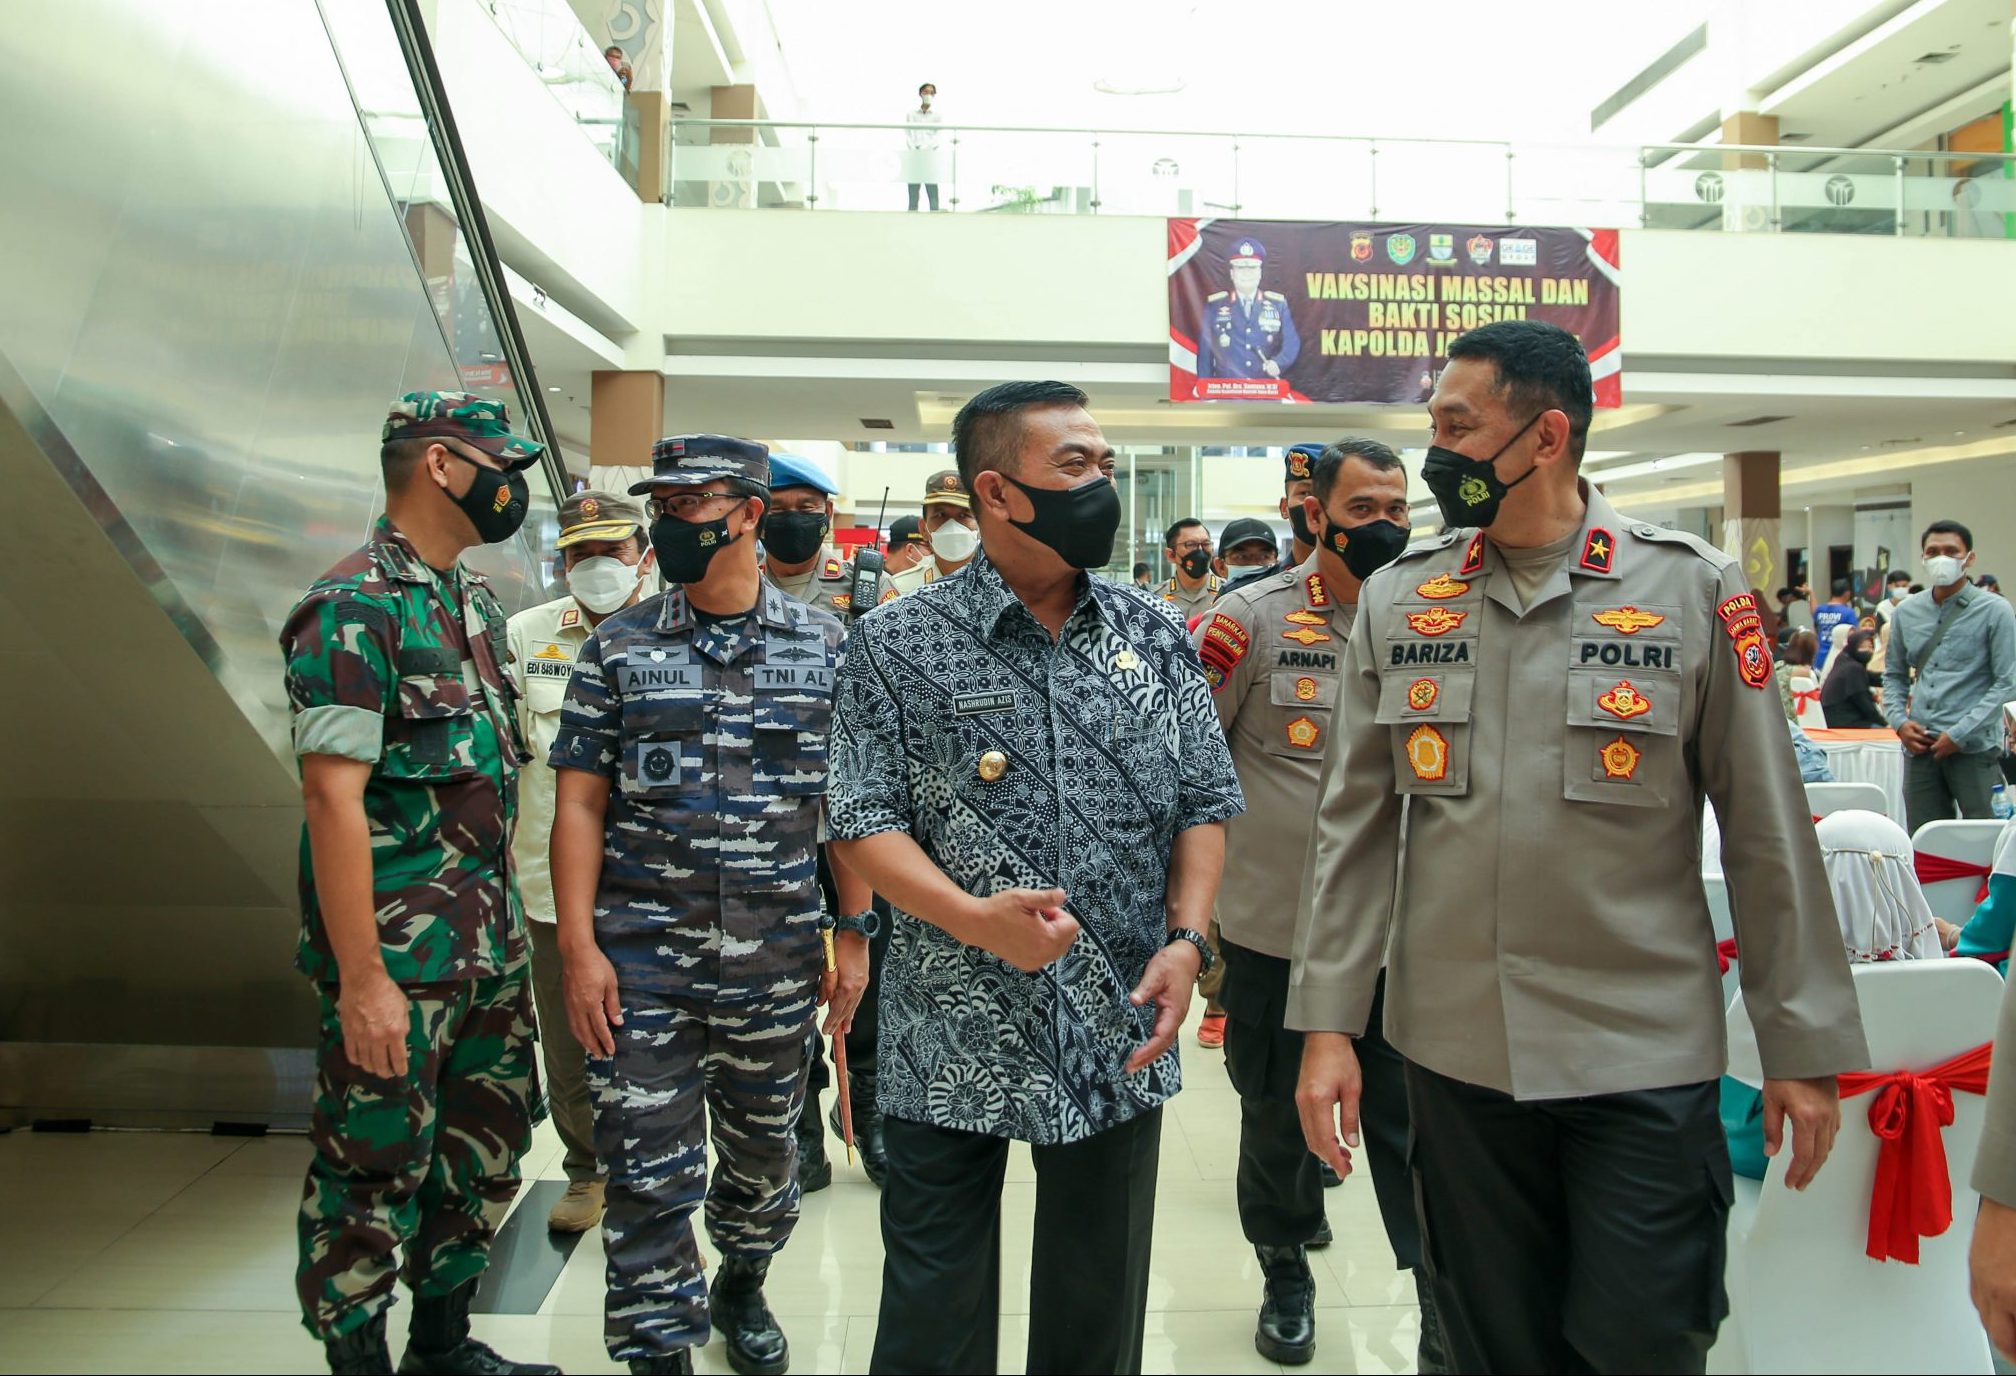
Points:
[(1195, 938), (867, 922)]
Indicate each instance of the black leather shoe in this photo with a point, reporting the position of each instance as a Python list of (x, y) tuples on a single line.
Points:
[(360, 1353), (1328, 1173), (678, 1363), (815, 1172), (439, 1344), (1432, 1354), (867, 1128), (1324, 1237), (1287, 1328), (756, 1345)]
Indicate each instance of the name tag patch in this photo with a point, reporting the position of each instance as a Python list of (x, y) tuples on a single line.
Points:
[(982, 704), (792, 678), (636, 680)]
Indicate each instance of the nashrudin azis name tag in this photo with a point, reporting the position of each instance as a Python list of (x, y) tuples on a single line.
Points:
[(982, 704)]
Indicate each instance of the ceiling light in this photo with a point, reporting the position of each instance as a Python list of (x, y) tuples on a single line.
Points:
[(552, 389), (867, 424)]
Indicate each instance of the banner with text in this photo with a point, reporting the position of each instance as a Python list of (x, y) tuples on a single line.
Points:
[(1283, 311)]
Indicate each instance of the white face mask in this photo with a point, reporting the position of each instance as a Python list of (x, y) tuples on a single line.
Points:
[(603, 583), (1943, 570), (954, 543), (1899, 593)]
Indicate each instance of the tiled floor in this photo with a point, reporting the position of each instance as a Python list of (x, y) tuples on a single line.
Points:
[(175, 1252)]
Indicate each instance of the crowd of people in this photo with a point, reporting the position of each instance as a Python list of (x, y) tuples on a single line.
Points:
[(1420, 822)]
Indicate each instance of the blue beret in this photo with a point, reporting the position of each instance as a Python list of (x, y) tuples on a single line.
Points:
[(789, 470)]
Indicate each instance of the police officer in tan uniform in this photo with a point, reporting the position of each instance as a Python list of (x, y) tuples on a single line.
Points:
[(797, 557), (607, 563), (1271, 651), (1550, 689), (1296, 465), (1194, 587)]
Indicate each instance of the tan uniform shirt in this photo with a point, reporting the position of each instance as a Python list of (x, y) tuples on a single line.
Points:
[(544, 641), (1549, 936), (912, 578), (829, 585), (1995, 1159), (1190, 603), (1272, 649)]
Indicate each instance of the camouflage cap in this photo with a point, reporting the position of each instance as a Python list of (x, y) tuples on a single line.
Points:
[(594, 515), (947, 488), (1300, 461), (476, 421), (687, 460)]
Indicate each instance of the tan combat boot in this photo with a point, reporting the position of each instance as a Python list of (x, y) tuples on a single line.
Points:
[(579, 1209)]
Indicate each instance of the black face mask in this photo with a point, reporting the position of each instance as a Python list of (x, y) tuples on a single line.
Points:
[(1865, 655), (1196, 563), (1368, 548), (1468, 490), (1298, 521), (495, 503), (1079, 522), (686, 548), (795, 536)]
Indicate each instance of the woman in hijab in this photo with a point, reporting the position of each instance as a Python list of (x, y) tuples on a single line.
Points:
[(1883, 916), (1988, 933), (1845, 696)]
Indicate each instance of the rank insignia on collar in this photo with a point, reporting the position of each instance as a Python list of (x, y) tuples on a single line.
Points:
[(1599, 551), (1304, 733), (570, 618), (1428, 754), (1627, 620), (890, 596), (1442, 587), (1319, 596), (1306, 635), (1436, 621), (1620, 759), (1473, 558), (1422, 693), (833, 569), (1625, 701), (1305, 689), (1302, 618)]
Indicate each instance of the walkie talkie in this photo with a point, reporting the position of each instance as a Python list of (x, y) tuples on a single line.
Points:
[(868, 566)]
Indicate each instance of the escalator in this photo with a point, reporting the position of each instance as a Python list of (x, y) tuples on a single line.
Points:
[(230, 234)]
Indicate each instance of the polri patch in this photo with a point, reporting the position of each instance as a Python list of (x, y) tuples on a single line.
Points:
[(1428, 754), (1435, 621), (1627, 620), (1620, 759)]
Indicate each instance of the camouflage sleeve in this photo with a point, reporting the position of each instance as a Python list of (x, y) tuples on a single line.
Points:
[(339, 650), (589, 722)]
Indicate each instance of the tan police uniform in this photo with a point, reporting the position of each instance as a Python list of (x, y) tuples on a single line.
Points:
[(1995, 1161), (910, 579), (1189, 602), (829, 584), (1549, 938)]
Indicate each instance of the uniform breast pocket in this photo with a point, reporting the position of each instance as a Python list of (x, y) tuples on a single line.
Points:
[(1623, 739), (790, 753), (434, 734), (1302, 708), (664, 747), (1428, 711)]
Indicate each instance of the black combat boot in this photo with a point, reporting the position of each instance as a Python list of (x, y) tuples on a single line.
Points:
[(1287, 1329), (362, 1352), (678, 1363), (815, 1172), (867, 1128), (1432, 1354), (438, 1344), (1324, 1237), (756, 1345)]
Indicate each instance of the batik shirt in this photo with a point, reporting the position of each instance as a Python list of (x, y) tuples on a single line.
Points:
[(1101, 747)]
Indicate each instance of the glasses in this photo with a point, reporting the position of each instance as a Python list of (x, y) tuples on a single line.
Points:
[(683, 506)]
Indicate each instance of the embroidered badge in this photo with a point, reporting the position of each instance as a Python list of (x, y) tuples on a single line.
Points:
[(1302, 618), (590, 509), (1306, 635), (1428, 754), (1620, 759), (1627, 620), (1436, 621), (1225, 643), (1599, 551), (1305, 690), (1742, 604), (1422, 693), (1473, 558), (833, 569), (1753, 653), (842, 601), (1442, 587), (551, 651), (1214, 676), (1303, 733), (1625, 702), (1319, 596)]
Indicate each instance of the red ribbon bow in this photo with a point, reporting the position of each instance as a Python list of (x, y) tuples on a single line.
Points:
[(1803, 698), (1933, 869), (1725, 954), (1913, 1195)]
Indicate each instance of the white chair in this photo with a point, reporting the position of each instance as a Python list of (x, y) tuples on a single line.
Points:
[(1806, 701), (1827, 799), (1972, 842), (1803, 1296)]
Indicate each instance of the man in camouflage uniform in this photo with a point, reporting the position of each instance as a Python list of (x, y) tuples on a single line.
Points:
[(406, 729), (692, 768), (801, 564)]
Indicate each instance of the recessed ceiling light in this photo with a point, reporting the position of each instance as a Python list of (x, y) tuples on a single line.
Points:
[(877, 424), (552, 389)]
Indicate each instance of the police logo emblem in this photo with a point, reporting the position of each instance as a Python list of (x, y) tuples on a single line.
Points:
[(1479, 249), (1620, 759), (1214, 676), (1305, 690), (659, 764), (1627, 620), (1303, 733), (1441, 587), (1421, 694), (1361, 248), (1224, 341), (1305, 635), (1428, 754), (1625, 702), (1753, 656), (1474, 491), (1436, 621), (1298, 465), (590, 508), (1400, 248), (707, 537)]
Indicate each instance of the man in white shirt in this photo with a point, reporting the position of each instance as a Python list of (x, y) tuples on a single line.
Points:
[(920, 164)]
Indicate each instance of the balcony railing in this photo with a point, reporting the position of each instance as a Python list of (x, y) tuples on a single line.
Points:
[(765, 164), (549, 36)]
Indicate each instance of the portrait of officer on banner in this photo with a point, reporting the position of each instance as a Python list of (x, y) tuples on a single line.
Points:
[(1247, 332)]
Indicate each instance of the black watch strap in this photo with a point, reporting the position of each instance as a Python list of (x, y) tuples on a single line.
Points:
[(1195, 938), (867, 922)]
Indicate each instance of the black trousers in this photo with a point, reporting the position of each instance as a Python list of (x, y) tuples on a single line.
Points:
[(1280, 1192), (941, 1245), (1573, 1235)]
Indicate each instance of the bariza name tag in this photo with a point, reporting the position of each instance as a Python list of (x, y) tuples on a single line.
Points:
[(982, 704)]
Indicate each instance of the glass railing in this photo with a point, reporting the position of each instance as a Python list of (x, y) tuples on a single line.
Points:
[(549, 36), (763, 164)]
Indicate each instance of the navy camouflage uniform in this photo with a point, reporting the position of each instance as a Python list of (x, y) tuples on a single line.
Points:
[(714, 736)]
